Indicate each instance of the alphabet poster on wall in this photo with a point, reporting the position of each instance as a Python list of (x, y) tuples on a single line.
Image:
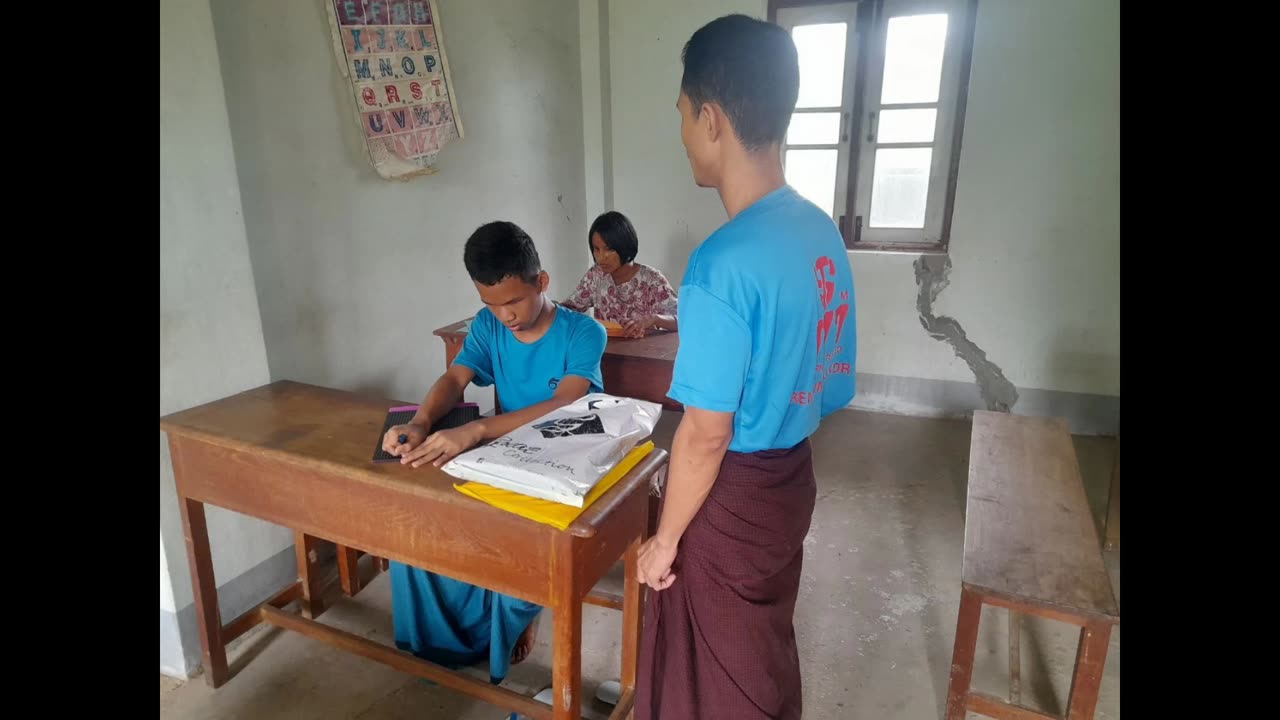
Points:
[(392, 51)]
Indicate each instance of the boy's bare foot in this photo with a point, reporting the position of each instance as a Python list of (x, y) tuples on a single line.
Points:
[(524, 643)]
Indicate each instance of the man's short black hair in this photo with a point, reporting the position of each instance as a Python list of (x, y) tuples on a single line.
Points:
[(750, 69), (618, 234), (498, 250)]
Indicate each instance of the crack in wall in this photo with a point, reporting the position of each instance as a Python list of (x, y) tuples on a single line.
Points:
[(932, 277)]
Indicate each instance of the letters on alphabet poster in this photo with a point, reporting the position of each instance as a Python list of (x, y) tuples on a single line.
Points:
[(392, 52)]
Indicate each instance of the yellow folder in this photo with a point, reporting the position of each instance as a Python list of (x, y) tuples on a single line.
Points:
[(557, 515)]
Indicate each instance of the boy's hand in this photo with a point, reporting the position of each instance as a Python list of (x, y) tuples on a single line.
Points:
[(441, 447), (391, 441)]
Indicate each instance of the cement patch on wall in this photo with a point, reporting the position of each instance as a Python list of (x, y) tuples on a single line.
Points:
[(932, 277)]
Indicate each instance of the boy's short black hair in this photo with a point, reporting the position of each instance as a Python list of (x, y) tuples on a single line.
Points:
[(499, 250), (618, 234), (750, 69)]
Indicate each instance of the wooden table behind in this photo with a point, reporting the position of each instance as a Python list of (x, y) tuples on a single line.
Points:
[(632, 367)]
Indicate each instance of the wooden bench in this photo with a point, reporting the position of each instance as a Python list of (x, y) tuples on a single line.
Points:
[(1030, 546)]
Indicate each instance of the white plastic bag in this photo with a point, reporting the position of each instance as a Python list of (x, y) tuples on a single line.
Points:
[(563, 454)]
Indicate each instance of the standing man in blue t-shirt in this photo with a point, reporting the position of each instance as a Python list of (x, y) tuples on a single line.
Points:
[(767, 346), (540, 356)]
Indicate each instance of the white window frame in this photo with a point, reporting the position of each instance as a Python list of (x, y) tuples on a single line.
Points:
[(864, 72), (846, 142)]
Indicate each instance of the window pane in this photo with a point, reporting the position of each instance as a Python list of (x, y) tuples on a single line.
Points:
[(900, 187), (821, 53), (906, 126), (813, 174), (814, 129), (912, 59)]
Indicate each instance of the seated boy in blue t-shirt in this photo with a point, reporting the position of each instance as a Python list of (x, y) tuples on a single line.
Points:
[(541, 357)]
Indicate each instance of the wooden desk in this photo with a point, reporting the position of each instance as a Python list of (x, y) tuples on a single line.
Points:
[(299, 456), (632, 367)]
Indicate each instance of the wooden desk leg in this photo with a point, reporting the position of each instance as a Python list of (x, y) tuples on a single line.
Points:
[(1111, 533), (205, 586), (308, 573), (1083, 700), (1015, 657), (655, 514), (632, 611), (962, 656), (379, 564), (566, 667), (349, 570)]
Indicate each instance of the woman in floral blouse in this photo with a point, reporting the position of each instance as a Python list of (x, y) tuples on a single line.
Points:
[(621, 290)]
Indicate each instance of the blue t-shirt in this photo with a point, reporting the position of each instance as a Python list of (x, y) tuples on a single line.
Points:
[(528, 373), (767, 327)]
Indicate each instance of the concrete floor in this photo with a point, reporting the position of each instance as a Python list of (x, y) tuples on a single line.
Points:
[(875, 618)]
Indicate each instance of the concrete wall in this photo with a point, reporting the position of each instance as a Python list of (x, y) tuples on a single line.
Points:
[(210, 334), (1030, 310), (354, 272), (283, 255)]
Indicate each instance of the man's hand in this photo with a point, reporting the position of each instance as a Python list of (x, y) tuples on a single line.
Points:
[(443, 446), (655, 562), (415, 434), (696, 452)]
